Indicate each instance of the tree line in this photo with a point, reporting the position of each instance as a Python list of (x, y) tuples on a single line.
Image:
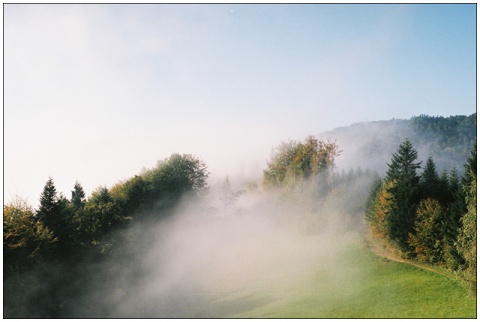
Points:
[(443, 133), (427, 216), (447, 139), (64, 231), (69, 233), (61, 224)]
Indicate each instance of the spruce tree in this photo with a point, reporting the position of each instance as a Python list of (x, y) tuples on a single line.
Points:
[(78, 196), (470, 167), (53, 212), (402, 173), (451, 223), (444, 194), (430, 181), (100, 195), (48, 203)]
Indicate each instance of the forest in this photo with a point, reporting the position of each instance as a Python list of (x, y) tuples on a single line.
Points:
[(56, 254), (448, 140), (427, 216)]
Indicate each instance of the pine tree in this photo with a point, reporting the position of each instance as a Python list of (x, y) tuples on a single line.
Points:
[(454, 182), (430, 181), (100, 195), (405, 195), (456, 208), (444, 194), (53, 212), (471, 167), (78, 196), (47, 213)]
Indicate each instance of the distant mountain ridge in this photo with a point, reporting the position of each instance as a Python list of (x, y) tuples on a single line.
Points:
[(370, 145)]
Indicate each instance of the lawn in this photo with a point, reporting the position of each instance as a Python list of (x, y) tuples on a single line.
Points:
[(359, 284)]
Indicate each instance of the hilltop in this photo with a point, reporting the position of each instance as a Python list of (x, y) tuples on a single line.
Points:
[(370, 145)]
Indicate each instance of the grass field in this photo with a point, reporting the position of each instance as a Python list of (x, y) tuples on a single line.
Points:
[(360, 285)]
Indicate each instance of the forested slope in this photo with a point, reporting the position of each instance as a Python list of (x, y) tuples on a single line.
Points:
[(421, 215), (448, 140)]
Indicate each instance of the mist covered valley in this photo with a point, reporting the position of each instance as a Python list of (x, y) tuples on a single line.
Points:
[(166, 244), (194, 267)]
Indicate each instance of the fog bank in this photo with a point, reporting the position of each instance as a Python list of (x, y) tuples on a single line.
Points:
[(199, 262)]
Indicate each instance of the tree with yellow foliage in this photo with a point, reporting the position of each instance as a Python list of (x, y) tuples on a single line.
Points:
[(25, 238), (427, 239)]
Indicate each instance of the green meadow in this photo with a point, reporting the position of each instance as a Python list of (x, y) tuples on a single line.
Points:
[(360, 285)]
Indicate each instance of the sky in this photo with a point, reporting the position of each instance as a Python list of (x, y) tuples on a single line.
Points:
[(95, 93)]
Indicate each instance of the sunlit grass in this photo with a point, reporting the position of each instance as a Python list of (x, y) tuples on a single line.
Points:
[(363, 285)]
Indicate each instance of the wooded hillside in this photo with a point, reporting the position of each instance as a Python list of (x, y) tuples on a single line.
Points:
[(448, 140)]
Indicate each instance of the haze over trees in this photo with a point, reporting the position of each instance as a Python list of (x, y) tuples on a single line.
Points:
[(53, 252), (63, 233), (293, 162), (448, 140)]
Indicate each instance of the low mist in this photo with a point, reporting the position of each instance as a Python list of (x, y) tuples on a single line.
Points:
[(206, 261), (370, 145)]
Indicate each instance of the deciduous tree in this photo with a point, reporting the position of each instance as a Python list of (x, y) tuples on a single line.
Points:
[(380, 210), (25, 239), (293, 162), (427, 238), (175, 176), (467, 239)]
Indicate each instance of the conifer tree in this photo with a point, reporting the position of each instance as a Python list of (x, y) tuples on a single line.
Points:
[(48, 202), (454, 182), (78, 196), (405, 195), (471, 167), (430, 181), (370, 205), (445, 195), (53, 212), (49, 210), (455, 209), (100, 195)]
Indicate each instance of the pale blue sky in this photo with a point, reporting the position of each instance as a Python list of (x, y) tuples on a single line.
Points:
[(96, 92)]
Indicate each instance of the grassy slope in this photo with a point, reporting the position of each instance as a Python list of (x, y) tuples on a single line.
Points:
[(363, 286)]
